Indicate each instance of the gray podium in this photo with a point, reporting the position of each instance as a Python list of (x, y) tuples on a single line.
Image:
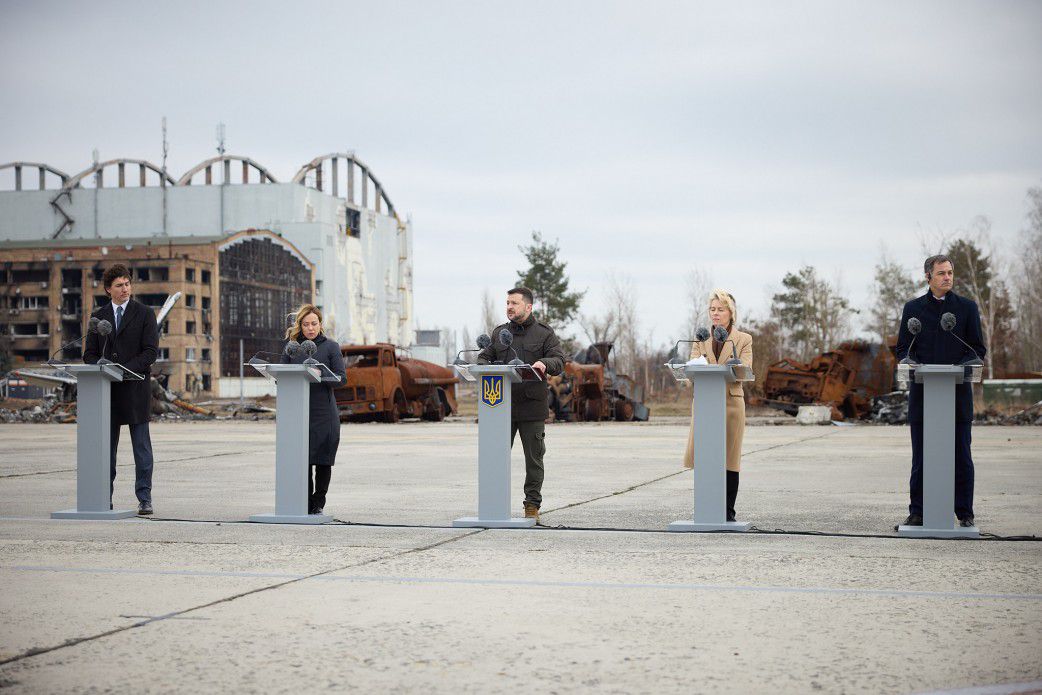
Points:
[(939, 381), (493, 382), (292, 417), (708, 408), (94, 440)]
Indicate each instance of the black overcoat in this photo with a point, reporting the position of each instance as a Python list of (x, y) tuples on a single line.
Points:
[(936, 346), (135, 346), (324, 418)]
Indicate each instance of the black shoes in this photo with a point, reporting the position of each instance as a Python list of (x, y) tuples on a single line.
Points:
[(917, 520), (315, 510), (144, 509)]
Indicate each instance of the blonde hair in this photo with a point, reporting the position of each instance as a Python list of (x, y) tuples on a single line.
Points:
[(294, 331), (727, 298)]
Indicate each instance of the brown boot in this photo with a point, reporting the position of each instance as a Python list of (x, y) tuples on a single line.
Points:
[(531, 511)]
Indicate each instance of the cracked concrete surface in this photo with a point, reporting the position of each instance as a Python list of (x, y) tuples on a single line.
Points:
[(598, 599)]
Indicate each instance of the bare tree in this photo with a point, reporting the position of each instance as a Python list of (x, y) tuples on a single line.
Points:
[(622, 305), (978, 275), (600, 329), (813, 312), (697, 286), (489, 317), (467, 345), (892, 287), (1029, 287), (768, 348)]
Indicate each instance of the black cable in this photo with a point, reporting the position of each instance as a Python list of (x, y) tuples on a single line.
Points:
[(561, 527)]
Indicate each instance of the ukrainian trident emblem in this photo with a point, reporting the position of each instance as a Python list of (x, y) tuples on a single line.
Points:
[(492, 390)]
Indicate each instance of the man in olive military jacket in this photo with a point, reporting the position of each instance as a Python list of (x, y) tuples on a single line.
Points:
[(538, 345)]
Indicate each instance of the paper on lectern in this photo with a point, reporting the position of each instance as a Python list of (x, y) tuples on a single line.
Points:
[(697, 361)]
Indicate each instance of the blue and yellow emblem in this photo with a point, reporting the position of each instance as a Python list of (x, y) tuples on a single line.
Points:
[(492, 389)]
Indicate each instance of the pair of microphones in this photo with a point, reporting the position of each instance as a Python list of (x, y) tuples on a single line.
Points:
[(95, 325), (947, 323), (506, 339), (719, 334), (308, 348)]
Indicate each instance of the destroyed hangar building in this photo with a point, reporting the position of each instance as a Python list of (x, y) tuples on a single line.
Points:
[(243, 249)]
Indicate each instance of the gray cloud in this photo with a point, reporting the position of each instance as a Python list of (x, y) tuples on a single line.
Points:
[(747, 138)]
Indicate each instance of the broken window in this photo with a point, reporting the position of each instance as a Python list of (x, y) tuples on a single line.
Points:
[(262, 284)]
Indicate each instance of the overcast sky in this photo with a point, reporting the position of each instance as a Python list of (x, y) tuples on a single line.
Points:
[(650, 138)]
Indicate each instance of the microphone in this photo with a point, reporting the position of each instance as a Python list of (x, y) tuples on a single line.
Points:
[(506, 338), (292, 348), (701, 335), (92, 327), (459, 359), (309, 348), (483, 342), (947, 324), (104, 329), (720, 336), (914, 327)]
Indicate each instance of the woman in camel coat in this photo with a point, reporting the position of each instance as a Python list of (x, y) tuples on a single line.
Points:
[(722, 312)]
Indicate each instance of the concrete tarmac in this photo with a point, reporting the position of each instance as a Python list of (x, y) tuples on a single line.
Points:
[(823, 597)]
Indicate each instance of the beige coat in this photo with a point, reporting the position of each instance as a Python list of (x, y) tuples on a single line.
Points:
[(743, 342)]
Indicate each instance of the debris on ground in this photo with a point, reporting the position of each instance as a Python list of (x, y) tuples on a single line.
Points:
[(892, 409)]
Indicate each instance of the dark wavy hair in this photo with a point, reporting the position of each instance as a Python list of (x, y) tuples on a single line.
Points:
[(113, 273)]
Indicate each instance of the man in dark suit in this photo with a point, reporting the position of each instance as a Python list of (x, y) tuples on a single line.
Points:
[(133, 343), (936, 346), (535, 343)]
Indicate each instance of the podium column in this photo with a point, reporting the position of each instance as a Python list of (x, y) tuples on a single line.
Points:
[(292, 418), (709, 412), (939, 381), (493, 383), (93, 443)]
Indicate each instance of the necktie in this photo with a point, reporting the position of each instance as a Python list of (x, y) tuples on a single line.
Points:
[(119, 316)]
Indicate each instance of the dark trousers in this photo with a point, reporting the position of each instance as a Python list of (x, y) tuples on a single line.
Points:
[(732, 494), (963, 471), (141, 441), (318, 486), (533, 441)]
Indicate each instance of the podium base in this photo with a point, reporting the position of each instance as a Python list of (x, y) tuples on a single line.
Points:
[(923, 532), (475, 522), (312, 519), (103, 515), (685, 526)]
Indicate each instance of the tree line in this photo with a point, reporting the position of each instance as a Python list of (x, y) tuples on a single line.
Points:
[(810, 314)]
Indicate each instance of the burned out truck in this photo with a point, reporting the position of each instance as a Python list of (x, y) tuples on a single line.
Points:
[(590, 389), (386, 386), (845, 379)]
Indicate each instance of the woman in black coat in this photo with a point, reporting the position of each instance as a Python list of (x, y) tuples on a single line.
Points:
[(324, 419)]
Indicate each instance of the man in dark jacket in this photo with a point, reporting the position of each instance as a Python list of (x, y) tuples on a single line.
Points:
[(535, 343), (133, 343), (936, 346)]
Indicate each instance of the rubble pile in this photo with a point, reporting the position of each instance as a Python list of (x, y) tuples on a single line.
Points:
[(1031, 415), (47, 409), (165, 407), (890, 408)]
